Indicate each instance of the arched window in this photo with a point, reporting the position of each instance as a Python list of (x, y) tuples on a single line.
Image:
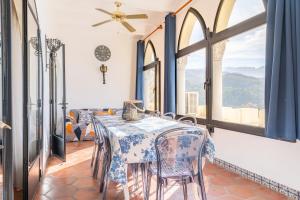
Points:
[(192, 31), (150, 54), (191, 66), (233, 12), (238, 64), (151, 79)]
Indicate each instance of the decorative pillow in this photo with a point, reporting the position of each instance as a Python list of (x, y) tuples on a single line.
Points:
[(85, 117)]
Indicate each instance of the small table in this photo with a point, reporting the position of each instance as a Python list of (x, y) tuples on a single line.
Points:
[(133, 142)]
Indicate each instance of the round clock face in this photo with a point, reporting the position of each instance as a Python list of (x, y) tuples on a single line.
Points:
[(102, 53)]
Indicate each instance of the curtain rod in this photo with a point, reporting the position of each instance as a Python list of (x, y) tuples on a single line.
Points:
[(174, 14)]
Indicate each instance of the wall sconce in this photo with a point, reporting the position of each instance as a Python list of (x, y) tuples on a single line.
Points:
[(103, 69), (53, 46), (34, 41)]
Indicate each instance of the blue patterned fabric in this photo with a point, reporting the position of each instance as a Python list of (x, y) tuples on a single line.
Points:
[(133, 142), (282, 86)]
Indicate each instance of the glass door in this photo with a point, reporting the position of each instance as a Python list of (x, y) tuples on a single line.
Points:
[(33, 98), (6, 180), (57, 97)]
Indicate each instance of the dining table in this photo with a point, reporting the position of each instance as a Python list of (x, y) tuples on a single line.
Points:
[(133, 142)]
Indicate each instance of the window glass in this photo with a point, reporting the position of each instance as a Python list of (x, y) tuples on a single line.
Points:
[(149, 54), (234, 12), (191, 31), (191, 75), (238, 78), (149, 89)]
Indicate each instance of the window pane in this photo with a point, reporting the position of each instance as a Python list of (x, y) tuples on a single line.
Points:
[(191, 75), (149, 54), (234, 12), (191, 32), (238, 78), (149, 89)]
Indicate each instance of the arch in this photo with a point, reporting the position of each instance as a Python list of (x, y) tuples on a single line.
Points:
[(233, 12), (150, 54), (190, 32)]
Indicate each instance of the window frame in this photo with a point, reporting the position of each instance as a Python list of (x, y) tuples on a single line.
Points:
[(211, 38), (6, 90), (202, 44), (157, 65)]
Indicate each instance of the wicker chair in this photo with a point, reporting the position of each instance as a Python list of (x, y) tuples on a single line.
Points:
[(179, 158)]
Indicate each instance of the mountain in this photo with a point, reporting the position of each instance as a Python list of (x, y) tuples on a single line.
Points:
[(258, 72), (239, 90)]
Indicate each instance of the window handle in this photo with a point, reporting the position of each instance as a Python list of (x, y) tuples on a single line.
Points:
[(206, 84), (4, 126)]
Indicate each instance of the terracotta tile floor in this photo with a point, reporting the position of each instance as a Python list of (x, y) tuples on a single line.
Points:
[(72, 180)]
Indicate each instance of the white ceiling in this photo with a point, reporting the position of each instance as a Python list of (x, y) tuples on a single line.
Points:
[(82, 13)]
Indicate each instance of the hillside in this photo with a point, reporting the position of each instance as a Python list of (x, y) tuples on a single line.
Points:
[(239, 90)]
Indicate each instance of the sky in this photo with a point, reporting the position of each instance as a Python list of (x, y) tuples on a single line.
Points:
[(244, 50)]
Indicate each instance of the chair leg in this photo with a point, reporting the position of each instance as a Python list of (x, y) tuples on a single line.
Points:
[(202, 186), (144, 170), (93, 156), (148, 185), (106, 182), (104, 173), (96, 167), (161, 191), (158, 193), (184, 187), (135, 174)]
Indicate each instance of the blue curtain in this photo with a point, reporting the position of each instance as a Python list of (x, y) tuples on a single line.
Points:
[(139, 70), (170, 64), (282, 86)]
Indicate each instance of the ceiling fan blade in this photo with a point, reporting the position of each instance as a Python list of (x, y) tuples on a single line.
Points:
[(104, 22), (137, 16), (104, 11), (128, 26)]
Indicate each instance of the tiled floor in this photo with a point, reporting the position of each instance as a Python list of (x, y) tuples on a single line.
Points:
[(72, 180)]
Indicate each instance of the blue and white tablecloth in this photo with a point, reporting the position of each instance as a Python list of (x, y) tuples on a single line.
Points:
[(133, 142)]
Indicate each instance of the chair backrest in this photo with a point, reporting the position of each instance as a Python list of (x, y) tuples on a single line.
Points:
[(119, 112), (97, 128), (153, 113), (181, 147), (102, 132), (169, 115), (188, 120)]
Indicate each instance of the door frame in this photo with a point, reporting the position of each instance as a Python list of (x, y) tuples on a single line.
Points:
[(25, 8), (6, 98), (58, 144)]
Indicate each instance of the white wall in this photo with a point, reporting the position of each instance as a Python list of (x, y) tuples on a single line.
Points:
[(276, 160), (83, 77)]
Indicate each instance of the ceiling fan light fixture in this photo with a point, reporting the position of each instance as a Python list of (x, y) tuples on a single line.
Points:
[(121, 17)]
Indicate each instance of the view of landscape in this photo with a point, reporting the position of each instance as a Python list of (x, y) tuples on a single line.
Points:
[(240, 60), (242, 86)]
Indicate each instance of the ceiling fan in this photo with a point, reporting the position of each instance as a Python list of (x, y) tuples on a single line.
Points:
[(121, 17)]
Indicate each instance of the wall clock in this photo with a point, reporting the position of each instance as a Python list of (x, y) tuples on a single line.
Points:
[(102, 53)]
